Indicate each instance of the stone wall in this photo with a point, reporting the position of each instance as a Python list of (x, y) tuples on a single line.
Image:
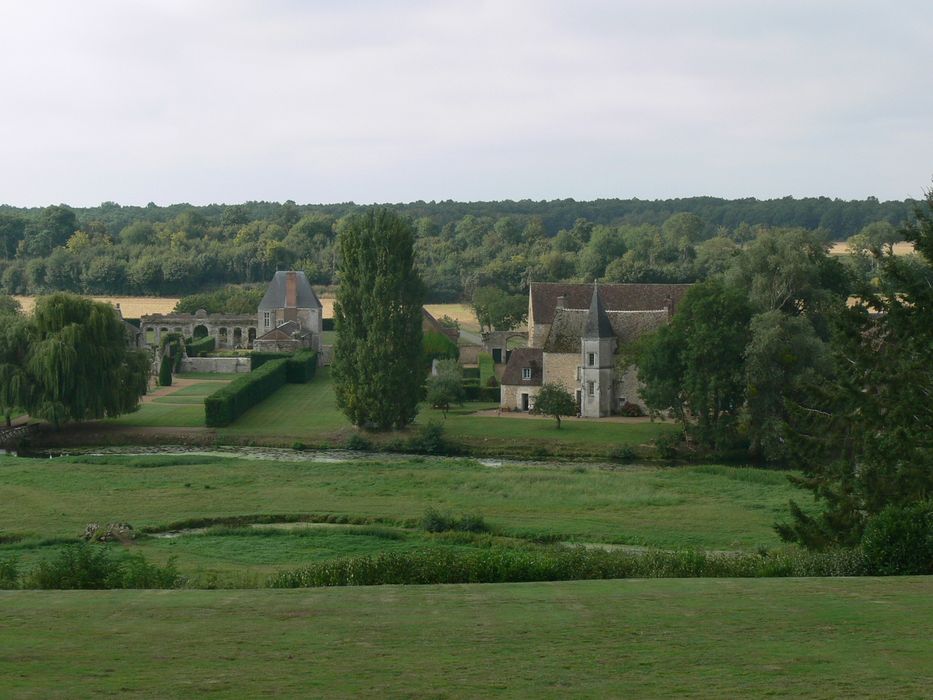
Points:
[(510, 396), (215, 364), (561, 368)]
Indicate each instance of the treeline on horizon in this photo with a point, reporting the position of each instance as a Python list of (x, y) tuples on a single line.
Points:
[(461, 246)]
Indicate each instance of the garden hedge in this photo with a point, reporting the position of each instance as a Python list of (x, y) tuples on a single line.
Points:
[(300, 367), (229, 403), (201, 346)]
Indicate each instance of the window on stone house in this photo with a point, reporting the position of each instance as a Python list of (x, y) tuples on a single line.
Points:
[(526, 372), (266, 319), (591, 388), (579, 373), (591, 359)]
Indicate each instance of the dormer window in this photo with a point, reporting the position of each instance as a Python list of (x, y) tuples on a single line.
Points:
[(590, 359), (526, 373)]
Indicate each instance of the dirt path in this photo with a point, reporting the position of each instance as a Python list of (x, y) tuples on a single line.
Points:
[(523, 415), (177, 383)]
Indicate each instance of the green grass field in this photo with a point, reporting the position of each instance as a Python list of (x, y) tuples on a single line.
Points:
[(308, 413), (49, 502), (713, 638)]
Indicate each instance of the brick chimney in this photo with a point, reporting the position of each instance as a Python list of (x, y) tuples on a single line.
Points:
[(291, 290), (561, 302)]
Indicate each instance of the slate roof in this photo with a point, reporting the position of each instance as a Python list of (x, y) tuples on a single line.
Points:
[(521, 358), (285, 331), (615, 297), (597, 324), (569, 326), (275, 294)]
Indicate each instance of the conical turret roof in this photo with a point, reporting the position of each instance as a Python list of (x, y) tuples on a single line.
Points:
[(597, 322)]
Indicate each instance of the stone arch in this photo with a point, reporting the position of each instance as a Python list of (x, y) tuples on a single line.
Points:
[(237, 336), (222, 335), (250, 337), (200, 331)]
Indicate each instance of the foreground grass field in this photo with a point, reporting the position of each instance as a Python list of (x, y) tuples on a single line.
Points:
[(815, 638)]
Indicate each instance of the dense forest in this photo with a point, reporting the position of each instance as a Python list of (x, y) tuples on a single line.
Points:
[(460, 247)]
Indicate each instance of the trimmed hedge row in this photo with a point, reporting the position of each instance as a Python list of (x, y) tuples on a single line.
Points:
[(201, 346), (300, 366), (472, 391), (229, 403), (487, 368)]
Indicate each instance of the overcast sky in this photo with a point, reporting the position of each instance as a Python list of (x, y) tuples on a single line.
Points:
[(377, 101)]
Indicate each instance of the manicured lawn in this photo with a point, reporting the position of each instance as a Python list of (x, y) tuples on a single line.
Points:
[(712, 638), (162, 415), (308, 412), (711, 507)]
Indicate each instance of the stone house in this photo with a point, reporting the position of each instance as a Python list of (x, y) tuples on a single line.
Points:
[(575, 334), (290, 315)]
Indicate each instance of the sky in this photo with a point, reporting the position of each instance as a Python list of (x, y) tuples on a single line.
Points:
[(207, 101)]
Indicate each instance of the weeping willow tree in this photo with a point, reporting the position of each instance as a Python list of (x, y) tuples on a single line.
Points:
[(78, 362), (15, 384)]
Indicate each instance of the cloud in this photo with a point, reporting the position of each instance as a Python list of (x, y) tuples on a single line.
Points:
[(384, 101)]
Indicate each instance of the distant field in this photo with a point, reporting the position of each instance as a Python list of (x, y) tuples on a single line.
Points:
[(707, 638), (132, 307), (460, 312), (842, 248)]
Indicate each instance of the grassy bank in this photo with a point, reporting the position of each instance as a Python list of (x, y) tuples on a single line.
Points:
[(819, 638)]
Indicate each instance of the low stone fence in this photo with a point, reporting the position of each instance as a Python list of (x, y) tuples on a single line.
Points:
[(215, 364)]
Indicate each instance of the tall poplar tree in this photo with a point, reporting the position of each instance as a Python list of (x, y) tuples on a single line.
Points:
[(377, 370)]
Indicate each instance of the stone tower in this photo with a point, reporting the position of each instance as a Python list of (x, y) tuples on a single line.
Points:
[(598, 355)]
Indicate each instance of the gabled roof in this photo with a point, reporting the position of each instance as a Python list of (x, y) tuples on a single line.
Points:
[(276, 293), (597, 324), (615, 297), (518, 360), (569, 326), (431, 323)]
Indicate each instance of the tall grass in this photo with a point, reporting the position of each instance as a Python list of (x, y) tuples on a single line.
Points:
[(504, 565)]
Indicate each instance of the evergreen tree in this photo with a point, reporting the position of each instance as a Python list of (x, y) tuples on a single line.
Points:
[(864, 440), (377, 366)]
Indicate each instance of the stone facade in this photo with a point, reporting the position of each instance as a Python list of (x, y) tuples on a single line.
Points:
[(229, 331), (225, 365), (518, 398)]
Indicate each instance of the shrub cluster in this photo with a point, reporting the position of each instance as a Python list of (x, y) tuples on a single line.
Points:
[(437, 346), (201, 346), (84, 566), (899, 540), (436, 521), (229, 403), (506, 565), (487, 368), (165, 371)]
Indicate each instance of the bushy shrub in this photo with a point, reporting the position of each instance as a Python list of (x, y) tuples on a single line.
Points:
[(436, 521), (201, 346), (327, 324), (9, 573), (667, 445), (258, 359), (631, 410), (899, 540), (487, 368), (227, 404), (429, 440), (437, 346), (85, 566), (358, 443)]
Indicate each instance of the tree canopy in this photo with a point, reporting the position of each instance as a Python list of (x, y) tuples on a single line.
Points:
[(377, 370)]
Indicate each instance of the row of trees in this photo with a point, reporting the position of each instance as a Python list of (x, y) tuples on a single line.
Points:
[(68, 361), (459, 249)]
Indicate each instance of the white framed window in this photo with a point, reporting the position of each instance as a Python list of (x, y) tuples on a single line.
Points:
[(579, 373), (591, 388), (591, 358), (266, 319), (526, 373)]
